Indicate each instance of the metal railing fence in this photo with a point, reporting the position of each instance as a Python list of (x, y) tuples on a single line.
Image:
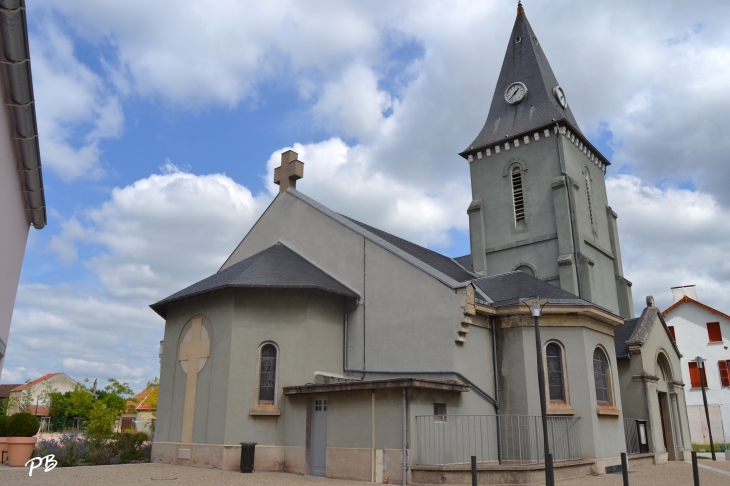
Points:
[(631, 432), (453, 439)]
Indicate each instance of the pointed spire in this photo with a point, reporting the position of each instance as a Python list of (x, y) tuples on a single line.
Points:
[(537, 100)]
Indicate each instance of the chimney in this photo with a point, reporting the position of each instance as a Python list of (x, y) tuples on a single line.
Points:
[(689, 290)]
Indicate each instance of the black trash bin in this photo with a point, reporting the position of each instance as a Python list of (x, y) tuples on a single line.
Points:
[(248, 450)]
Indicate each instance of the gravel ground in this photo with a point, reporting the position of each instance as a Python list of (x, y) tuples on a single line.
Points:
[(160, 474)]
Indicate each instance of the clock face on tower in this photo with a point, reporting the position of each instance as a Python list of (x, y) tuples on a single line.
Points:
[(515, 93), (560, 95)]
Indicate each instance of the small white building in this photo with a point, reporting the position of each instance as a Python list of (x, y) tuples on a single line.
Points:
[(700, 330), (37, 393)]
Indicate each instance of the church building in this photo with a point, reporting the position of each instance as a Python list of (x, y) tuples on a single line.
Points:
[(348, 352)]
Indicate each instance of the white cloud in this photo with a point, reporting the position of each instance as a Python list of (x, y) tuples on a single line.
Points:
[(671, 237), (75, 109), (150, 239), (347, 180)]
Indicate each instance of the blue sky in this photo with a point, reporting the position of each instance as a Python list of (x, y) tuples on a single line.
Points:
[(159, 134)]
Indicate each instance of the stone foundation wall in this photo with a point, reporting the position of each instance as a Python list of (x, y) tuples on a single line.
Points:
[(342, 462)]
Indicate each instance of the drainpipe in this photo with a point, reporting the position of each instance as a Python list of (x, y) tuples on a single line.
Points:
[(496, 390), (405, 439), (570, 206)]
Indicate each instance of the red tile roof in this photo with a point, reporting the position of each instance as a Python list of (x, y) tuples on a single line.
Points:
[(5, 390), (39, 411), (692, 301), (139, 401), (35, 382)]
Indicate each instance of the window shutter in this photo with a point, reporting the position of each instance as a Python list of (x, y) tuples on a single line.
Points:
[(694, 375), (713, 332), (671, 331), (724, 375)]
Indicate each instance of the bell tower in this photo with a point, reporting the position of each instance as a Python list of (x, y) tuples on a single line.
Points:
[(539, 202)]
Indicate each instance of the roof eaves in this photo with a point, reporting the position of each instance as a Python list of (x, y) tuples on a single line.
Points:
[(443, 278), (692, 301), (16, 59)]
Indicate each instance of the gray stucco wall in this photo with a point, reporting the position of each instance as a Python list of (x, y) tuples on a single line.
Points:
[(545, 233), (601, 435)]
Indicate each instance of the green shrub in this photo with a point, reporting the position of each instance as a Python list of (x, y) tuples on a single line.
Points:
[(101, 422), (3, 425), (22, 424), (129, 445)]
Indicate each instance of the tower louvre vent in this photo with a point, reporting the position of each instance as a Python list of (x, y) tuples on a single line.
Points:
[(517, 195)]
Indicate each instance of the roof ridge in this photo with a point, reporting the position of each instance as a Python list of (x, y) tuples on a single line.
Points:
[(364, 232), (690, 300)]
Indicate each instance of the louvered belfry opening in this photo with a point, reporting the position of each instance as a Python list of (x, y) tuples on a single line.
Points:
[(517, 195)]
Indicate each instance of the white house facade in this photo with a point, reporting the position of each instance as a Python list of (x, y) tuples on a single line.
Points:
[(22, 202), (700, 330)]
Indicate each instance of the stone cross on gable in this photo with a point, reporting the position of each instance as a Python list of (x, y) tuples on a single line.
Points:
[(290, 170), (194, 352)]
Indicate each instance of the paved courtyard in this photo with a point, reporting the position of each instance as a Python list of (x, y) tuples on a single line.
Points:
[(161, 474)]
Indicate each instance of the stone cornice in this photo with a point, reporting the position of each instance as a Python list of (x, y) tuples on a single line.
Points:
[(580, 142)]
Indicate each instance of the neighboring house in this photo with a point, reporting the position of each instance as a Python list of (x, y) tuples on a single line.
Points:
[(22, 202), (141, 412), (36, 391), (5, 391), (652, 391), (703, 331)]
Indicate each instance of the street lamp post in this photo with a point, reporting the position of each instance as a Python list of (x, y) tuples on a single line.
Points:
[(535, 306), (700, 366)]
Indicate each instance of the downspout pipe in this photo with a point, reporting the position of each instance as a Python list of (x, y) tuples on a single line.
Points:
[(346, 369), (405, 436), (570, 206), (496, 390)]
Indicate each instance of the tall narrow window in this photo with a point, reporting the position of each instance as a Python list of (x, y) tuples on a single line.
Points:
[(671, 331), (696, 375), (517, 196), (601, 376), (267, 375), (556, 383), (724, 372), (713, 332)]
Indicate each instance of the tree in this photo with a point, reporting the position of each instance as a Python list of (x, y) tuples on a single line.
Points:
[(115, 395), (26, 399), (80, 401), (102, 421)]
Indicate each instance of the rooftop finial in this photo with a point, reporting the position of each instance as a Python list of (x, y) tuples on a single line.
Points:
[(520, 10)]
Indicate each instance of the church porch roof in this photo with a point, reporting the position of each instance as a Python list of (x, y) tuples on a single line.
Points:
[(449, 386), (275, 267)]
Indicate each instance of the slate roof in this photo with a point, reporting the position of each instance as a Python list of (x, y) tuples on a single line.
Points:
[(442, 263), (508, 288), (275, 267), (622, 334), (526, 62), (465, 261)]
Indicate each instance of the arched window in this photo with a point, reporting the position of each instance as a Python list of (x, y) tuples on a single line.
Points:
[(517, 196), (602, 376), (267, 373), (556, 380)]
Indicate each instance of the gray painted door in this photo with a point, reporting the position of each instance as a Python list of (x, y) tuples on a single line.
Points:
[(319, 437)]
